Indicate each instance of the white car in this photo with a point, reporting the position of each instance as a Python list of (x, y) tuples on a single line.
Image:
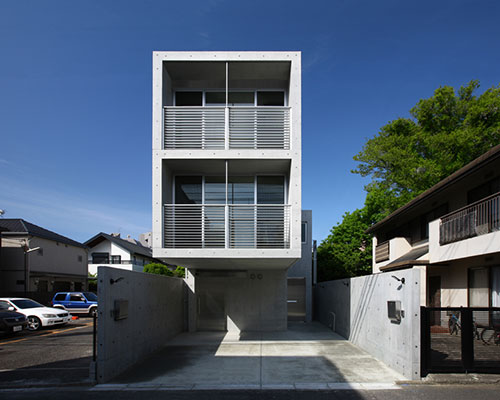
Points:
[(37, 314)]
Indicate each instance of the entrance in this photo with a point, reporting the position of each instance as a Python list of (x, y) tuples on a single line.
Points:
[(211, 310), (296, 299)]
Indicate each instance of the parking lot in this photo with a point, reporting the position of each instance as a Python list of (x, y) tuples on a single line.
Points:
[(49, 356)]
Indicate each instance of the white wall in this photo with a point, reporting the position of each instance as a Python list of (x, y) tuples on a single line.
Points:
[(360, 308), (155, 315)]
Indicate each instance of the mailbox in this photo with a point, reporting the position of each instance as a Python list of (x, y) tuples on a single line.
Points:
[(121, 309), (394, 311)]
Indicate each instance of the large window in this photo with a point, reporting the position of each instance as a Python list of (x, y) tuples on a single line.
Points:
[(100, 258), (188, 190), (248, 98), (270, 189)]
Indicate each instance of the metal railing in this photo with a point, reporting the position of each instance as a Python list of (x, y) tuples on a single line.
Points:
[(227, 226), (259, 128), (382, 252), (194, 128), (214, 128), (476, 219)]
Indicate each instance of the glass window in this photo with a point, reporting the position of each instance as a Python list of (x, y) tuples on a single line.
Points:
[(270, 190), (304, 232), (270, 98), (188, 190), (26, 303), (188, 99), (100, 258), (215, 190), (241, 99), (60, 297), (116, 259), (90, 296), (4, 305), (215, 98), (241, 190), (76, 297), (478, 287)]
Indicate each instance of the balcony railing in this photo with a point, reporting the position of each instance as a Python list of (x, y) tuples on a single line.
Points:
[(227, 226), (475, 219), (227, 128), (382, 252)]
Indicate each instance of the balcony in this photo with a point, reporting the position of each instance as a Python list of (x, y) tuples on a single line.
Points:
[(203, 226), (211, 128), (473, 220)]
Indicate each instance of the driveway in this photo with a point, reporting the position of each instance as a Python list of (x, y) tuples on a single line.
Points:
[(306, 356)]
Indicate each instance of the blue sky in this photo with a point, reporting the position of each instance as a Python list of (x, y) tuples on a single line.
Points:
[(75, 91)]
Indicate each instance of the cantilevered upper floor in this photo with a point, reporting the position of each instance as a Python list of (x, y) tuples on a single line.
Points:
[(227, 159)]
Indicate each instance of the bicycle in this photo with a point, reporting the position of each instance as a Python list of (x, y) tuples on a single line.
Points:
[(491, 335)]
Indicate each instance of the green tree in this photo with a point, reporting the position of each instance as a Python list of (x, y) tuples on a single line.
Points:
[(406, 157), (159, 269)]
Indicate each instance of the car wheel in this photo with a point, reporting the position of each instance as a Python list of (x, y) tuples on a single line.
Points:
[(34, 323), (93, 312)]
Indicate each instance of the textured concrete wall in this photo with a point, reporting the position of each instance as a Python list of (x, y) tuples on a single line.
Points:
[(360, 308), (155, 314), (253, 301)]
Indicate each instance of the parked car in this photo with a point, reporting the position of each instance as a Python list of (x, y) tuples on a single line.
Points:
[(11, 321), (37, 314), (76, 302)]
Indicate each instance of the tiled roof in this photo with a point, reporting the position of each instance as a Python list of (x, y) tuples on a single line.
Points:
[(17, 225), (131, 247)]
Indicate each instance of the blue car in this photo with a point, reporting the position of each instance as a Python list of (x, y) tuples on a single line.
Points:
[(77, 303)]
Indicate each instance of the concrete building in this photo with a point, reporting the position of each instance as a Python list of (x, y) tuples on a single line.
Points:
[(36, 260), (451, 233), (227, 181), (113, 251)]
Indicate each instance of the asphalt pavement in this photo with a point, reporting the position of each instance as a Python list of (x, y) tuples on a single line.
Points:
[(441, 392), (54, 356)]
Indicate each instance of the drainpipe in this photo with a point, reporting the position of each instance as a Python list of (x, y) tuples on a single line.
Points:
[(315, 263)]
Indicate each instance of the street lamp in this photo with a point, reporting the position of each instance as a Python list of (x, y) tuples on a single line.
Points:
[(27, 250)]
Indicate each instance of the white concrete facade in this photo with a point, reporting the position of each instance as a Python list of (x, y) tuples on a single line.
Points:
[(236, 254)]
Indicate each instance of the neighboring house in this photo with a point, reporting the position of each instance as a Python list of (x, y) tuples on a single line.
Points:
[(451, 232), (114, 251), (59, 263), (227, 182)]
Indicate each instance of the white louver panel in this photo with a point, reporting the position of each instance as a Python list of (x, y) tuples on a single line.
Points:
[(194, 128), (259, 128)]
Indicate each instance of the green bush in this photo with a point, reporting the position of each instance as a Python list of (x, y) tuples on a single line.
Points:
[(159, 269)]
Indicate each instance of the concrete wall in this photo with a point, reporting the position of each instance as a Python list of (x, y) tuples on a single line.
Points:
[(303, 267), (360, 308), (254, 300), (155, 314)]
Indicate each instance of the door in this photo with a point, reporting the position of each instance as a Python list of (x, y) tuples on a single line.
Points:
[(435, 299), (296, 299)]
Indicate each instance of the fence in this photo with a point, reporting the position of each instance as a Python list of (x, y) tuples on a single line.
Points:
[(460, 339)]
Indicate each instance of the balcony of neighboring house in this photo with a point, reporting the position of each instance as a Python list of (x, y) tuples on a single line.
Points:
[(469, 231), (226, 105)]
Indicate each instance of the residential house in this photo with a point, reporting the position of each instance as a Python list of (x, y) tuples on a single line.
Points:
[(451, 233), (227, 182), (36, 260), (114, 251)]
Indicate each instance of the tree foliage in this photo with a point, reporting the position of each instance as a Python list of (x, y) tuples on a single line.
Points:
[(162, 269), (406, 157)]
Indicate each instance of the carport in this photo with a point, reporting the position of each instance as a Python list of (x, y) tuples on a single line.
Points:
[(306, 356)]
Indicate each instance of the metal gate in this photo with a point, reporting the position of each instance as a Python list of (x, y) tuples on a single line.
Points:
[(465, 339)]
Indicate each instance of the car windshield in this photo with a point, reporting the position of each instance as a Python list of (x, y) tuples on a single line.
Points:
[(90, 296), (26, 303)]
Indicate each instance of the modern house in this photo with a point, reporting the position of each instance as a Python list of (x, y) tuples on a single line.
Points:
[(227, 181), (113, 251), (451, 233), (36, 260)]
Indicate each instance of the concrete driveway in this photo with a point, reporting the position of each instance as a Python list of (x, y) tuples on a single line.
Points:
[(306, 356)]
